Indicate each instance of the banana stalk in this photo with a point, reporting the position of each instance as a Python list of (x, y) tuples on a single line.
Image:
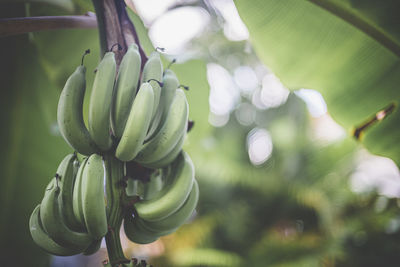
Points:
[(116, 191)]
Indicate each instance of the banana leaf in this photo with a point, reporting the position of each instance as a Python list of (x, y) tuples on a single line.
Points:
[(348, 50)]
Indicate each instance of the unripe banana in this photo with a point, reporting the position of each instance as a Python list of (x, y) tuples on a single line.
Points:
[(174, 127), (136, 233), (178, 183), (137, 125), (53, 224), (125, 89), (100, 102), (43, 240), (69, 114), (170, 157), (178, 218), (170, 84), (93, 201), (66, 172), (77, 194), (153, 69), (50, 185)]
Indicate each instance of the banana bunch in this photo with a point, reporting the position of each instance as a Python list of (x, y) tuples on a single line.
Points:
[(168, 200), (134, 116), (141, 118), (71, 218)]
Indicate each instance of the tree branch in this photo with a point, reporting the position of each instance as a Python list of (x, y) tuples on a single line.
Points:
[(13, 26)]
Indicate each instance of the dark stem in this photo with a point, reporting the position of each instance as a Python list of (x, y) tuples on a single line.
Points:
[(14, 26), (374, 119), (83, 57), (128, 30), (170, 64), (159, 83), (116, 27), (117, 45), (160, 49)]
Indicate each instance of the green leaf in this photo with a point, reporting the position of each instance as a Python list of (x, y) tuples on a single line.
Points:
[(31, 145), (347, 50)]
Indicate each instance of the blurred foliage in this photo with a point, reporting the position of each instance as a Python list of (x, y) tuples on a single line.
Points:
[(308, 46), (296, 209)]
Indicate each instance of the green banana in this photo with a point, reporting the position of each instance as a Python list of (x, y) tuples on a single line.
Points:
[(125, 89), (54, 226), (137, 125), (178, 183), (67, 178), (93, 247), (169, 157), (100, 102), (43, 240), (153, 69), (137, 234), (77, 196), (170, 84), (173, 128), (178, 218), (50, 185), (69, 113), (93, 200)]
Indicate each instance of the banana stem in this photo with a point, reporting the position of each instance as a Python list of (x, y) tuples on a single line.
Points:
[(115, 27), (115, 193), (114, 248)]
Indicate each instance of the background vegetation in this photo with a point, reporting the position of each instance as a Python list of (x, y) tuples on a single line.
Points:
[(317, 198)]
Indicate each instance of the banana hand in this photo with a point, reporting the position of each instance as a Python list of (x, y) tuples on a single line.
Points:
[(179, 177)]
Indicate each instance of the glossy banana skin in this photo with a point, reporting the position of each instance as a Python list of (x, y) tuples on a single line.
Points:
[(169, 135), (125, 89), (136, 127), (93, 202), (69, 114), (100, 102), (178, 183)]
